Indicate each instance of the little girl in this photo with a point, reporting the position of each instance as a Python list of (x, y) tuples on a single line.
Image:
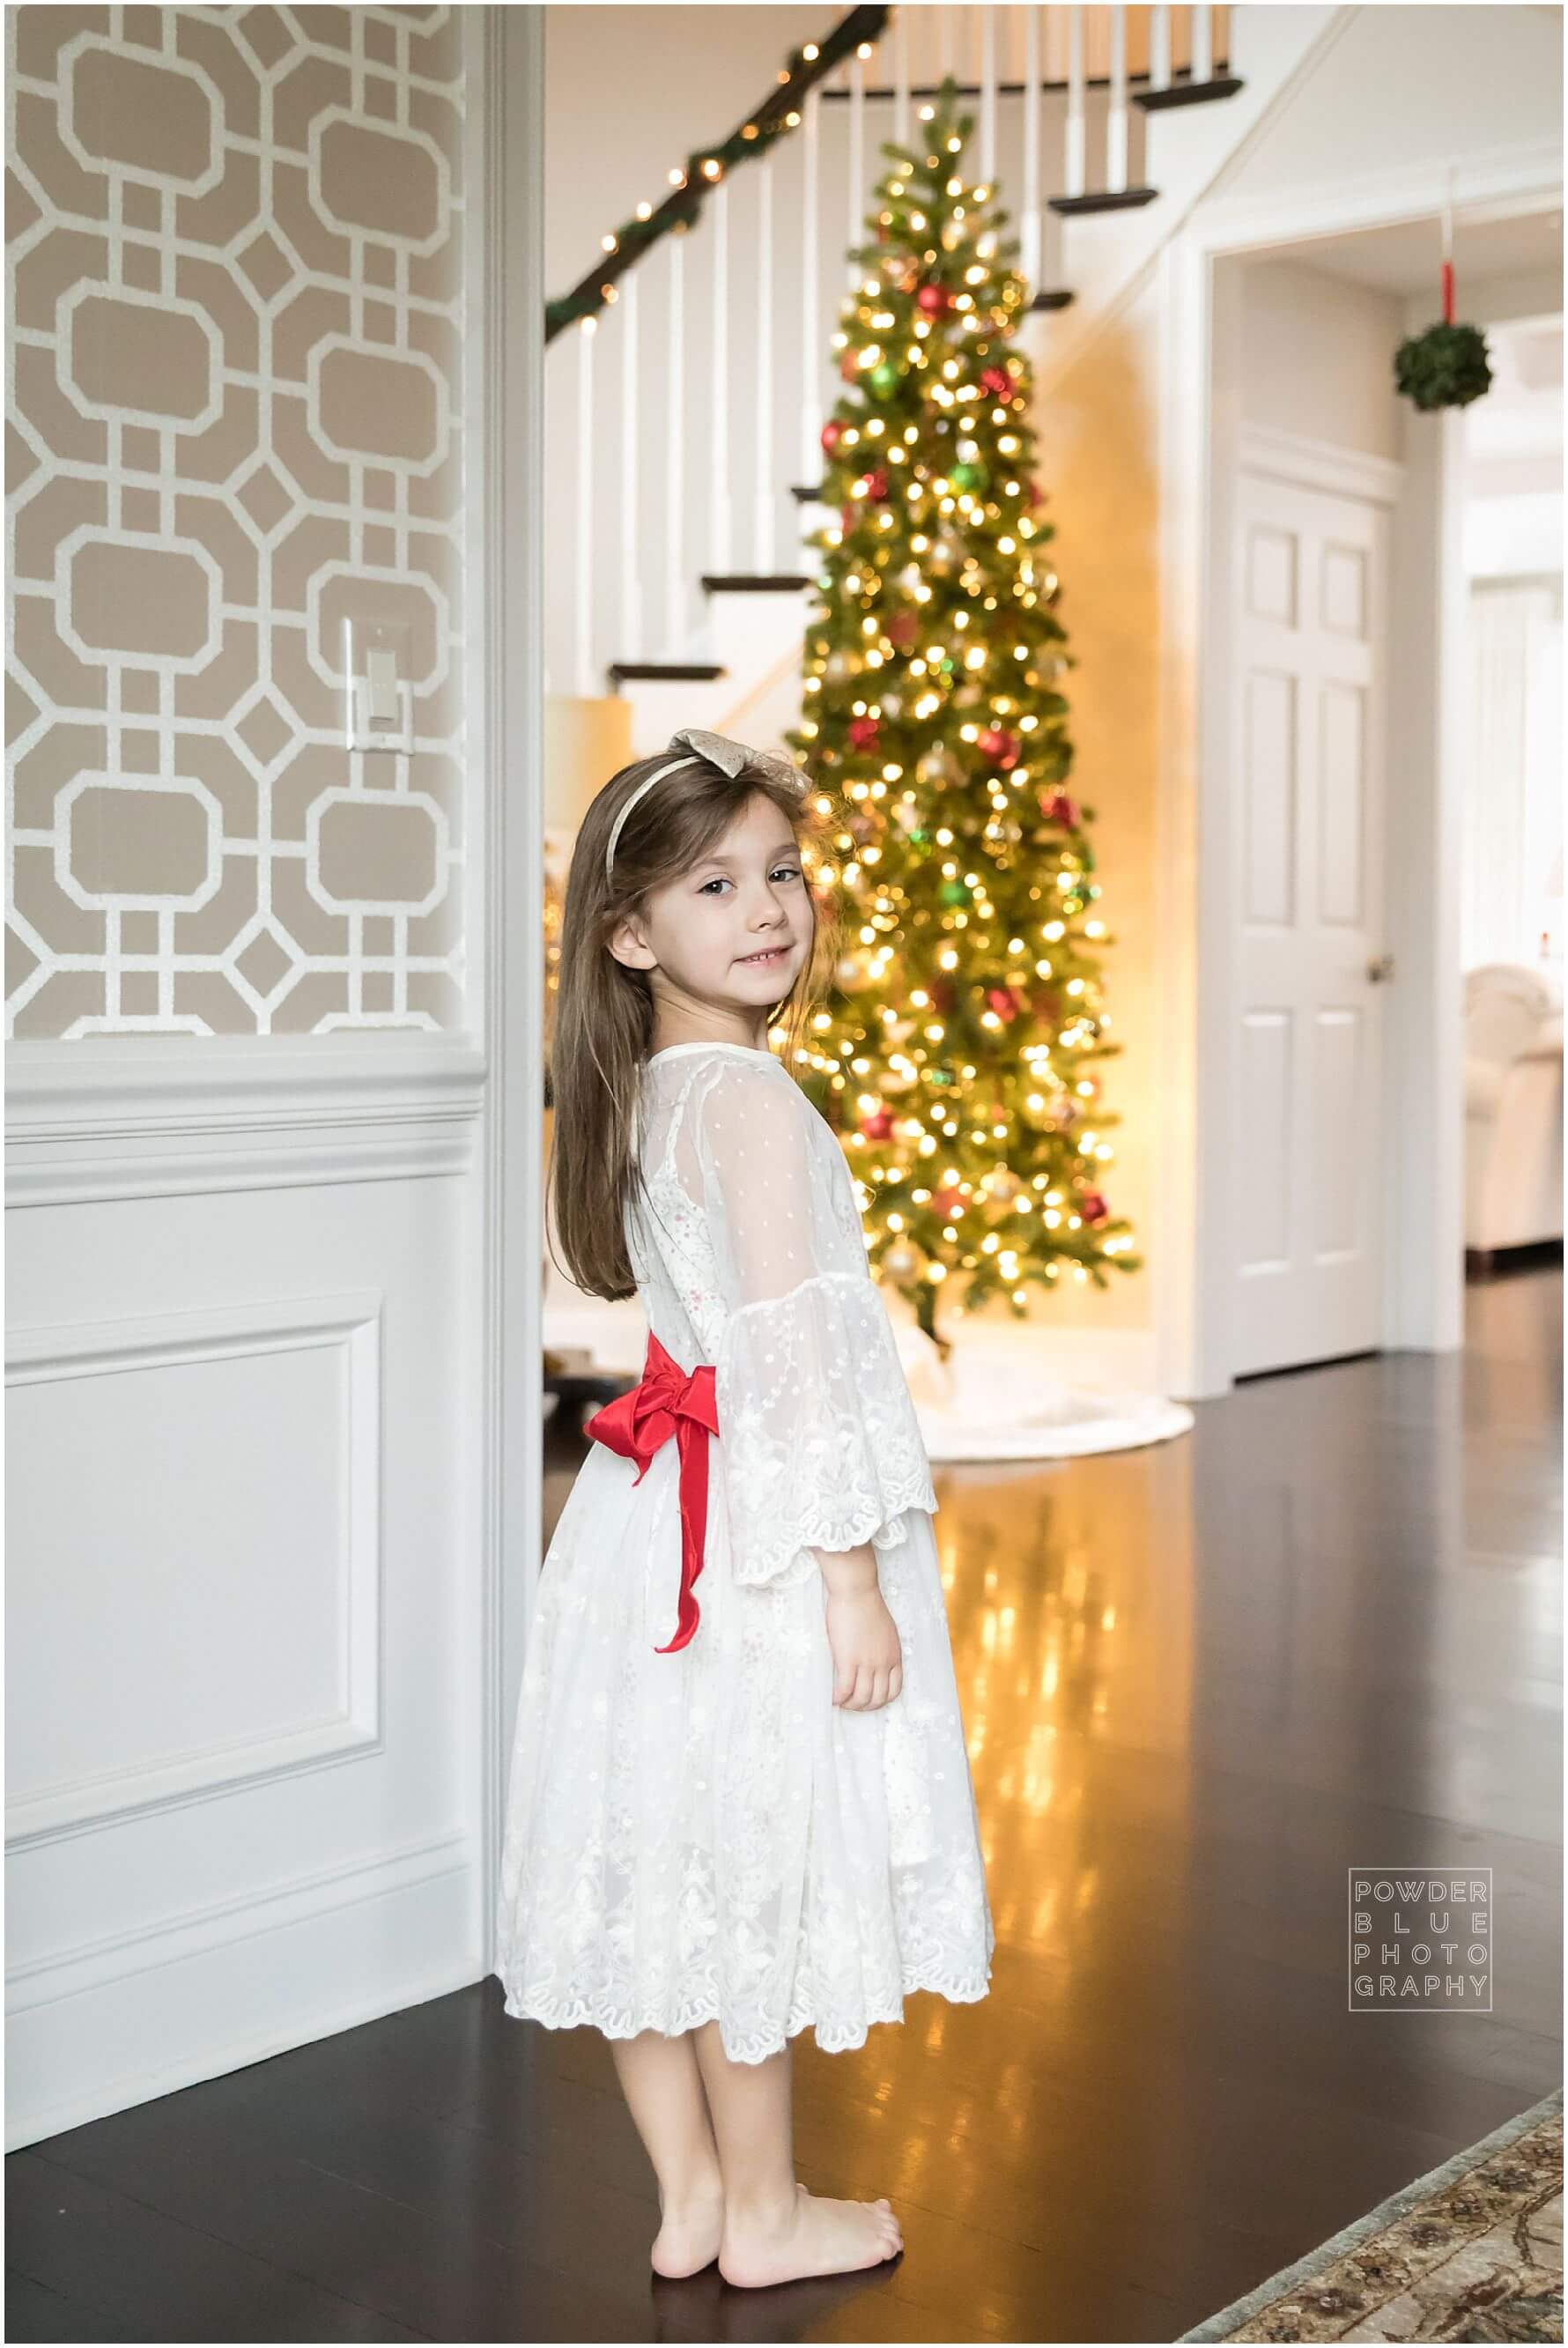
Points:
[(740, 1800)]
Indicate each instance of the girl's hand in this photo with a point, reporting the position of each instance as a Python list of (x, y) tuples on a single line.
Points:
[(867, 1660)]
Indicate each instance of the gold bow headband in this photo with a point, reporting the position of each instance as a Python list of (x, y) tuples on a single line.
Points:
[(693, 747)]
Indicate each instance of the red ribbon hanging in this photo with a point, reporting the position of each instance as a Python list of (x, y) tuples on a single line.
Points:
[(669, 1401)]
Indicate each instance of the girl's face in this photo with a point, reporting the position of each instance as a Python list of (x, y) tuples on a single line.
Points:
[(725, 942)]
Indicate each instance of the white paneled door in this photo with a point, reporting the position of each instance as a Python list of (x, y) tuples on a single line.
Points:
[(1312, 971)]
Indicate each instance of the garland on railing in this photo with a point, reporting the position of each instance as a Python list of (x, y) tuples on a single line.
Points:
[(778, 115)]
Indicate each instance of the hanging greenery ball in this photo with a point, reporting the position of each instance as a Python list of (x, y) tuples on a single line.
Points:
[(1447, 366), (883, 380)]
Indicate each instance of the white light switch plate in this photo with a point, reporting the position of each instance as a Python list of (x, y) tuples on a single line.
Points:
[(373, 688)]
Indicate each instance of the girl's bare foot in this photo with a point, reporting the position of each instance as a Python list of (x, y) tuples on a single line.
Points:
[(688, 2238), (818, 2236)]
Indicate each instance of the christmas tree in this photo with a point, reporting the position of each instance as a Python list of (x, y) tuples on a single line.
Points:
[(955, 1055)]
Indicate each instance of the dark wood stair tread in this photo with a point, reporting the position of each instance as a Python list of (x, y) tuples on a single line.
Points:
[(1103, 200), (665, 672), (1188, 93), (755, 583), (1056, 300)]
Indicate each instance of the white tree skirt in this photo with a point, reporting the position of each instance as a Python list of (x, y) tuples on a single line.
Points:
[(998, 1396)]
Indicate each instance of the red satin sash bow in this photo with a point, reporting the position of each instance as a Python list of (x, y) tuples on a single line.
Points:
[(669, 1401)]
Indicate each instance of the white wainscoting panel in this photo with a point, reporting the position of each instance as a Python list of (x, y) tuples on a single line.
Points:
[(192, 1505), (243, 1768)]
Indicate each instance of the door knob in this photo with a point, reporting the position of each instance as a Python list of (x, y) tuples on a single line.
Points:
[(1380, 967)]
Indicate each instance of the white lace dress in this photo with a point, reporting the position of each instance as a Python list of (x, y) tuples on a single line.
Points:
[(703, 1834)]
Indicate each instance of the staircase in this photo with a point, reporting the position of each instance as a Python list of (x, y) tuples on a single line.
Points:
[(684, 421)]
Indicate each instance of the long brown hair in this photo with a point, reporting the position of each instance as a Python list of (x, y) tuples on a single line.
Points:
[(604, 1012)]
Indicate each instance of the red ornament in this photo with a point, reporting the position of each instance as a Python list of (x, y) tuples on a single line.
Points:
[(947, 1203), (1060, 809), (997, 382), (864, 731), (1033, 492), (833, 432), (933, 300), (849, 368), (1003, 1002), (847, 518), (1092, 1207), (903, 629), (943, 995), (876, 486), (878, 1126), (999, 747)]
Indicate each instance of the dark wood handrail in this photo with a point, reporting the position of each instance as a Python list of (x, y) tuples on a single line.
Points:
[(706, 166)]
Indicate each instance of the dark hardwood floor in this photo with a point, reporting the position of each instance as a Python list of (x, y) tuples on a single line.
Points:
[(1201, 1681)]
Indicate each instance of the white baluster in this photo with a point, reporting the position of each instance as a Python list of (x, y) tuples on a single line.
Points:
[(1159, 49), (584, 565), (630, 536), (764, 362), (989, 95), (675, 457), (1075, 139), (719, 533), (1203, 40), (856, 161), (1116, 112), (901, 19), (1030, 254), (810, 298)]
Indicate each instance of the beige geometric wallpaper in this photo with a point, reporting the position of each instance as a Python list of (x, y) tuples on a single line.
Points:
[(234, 300)]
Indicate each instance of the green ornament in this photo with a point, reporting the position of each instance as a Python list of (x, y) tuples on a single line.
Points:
[(953, 892), (969, 476), (885, 379)]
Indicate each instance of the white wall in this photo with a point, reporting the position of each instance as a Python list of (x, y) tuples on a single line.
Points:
[(1368, 132), (1318, 357), (1409, 85), (631, 92)]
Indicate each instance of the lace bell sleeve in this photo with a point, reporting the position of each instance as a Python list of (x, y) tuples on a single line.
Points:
[(821, 1445)]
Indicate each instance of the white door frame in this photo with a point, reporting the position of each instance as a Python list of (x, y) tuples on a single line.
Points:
[(505, 59), (1191, 1247)]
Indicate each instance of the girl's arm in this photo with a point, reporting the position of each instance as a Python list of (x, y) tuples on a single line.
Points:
[(821, 1448)]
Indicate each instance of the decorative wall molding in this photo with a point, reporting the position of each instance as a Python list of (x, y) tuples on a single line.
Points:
[(1492, 185), (103, 1117), (1320, 463), (348, 1324), (325, 1890)]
